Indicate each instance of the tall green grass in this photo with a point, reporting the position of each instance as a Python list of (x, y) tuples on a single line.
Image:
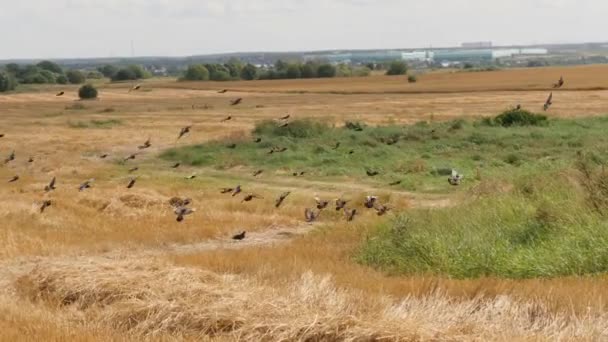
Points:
[(416, 154), (546, 227)]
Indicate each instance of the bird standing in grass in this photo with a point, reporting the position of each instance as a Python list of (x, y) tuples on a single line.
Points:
[(85, 185), (281, 199), (133, 169), (372, 173), (103, 156), (130, 157), (60, 93), (381, 209), (227, 190), (257, 140), (191, 177), (239, 236), (176, 165), (223, 91), (228, 118), (395, 183)]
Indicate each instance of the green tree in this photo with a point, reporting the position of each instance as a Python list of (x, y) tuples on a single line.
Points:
[(308, 70), (221, 75), (124, 75), (87, 92), (13, 68), (344, 70), (94, 75), (50, 66), (196, 72), (249, 72), (7, 82), (397, 68), (280, 65), (62, 79), (293, 71), (49, 76), (326, 71), (108, 70), (75, 76)]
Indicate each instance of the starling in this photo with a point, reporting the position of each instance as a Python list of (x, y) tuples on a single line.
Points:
[(51, 185), (340, 204), (30, 160), (350, 214), (45, 204), (455, 178), (228, 118), (239, 236), (237, 191), (14, 179), (549, 102), (10, 158), (130, 157), (176, 165), (146, 144), (250, 197), (310, 215), (131, 183), (60, 93), (223, 91), (85, 185), (181, 212), (285, 117), (236, 102), (257, 173), (103, 156), (227, 190), (192, 176), (370, 201), (559, 83), (231, 146), (257, 140), (184, 131), (395, 183), (136, 87), (371, 173), (133, 169), (281, 199), (337, 146), (381, 209), (321, 204)]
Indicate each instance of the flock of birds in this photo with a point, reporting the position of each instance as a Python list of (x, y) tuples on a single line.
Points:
[(181, 207)]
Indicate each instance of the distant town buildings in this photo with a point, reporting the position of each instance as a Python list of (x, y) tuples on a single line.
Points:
[(477, 45)]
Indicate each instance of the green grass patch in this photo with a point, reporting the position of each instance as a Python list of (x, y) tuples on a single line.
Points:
[(546, 227), (420, 155)]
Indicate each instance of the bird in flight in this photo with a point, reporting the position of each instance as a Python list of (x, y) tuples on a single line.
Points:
[(250, 197), (136, 87), (381, 209), (257, 140), (350, 214), (239, 236), (146, 144), (10, 158), (310, 215), (176, 165), (60, 93), (133, 169), (285, 117), (559, 83), (177, 202), (103, 156), (182, 211), (14, 179), (370, 201), (236, 102), (130, 157), (45, 204), (281, 199), (549, 102), (321, 204), (131, 183), (223, 91), (192, 176), (257, 173), (340, 204), (85, 185), (237, 191), (228, 118), (184, 131), (395, 183), (51, 185)]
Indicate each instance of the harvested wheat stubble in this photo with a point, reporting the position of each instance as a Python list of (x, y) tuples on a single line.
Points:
[(157, 299)]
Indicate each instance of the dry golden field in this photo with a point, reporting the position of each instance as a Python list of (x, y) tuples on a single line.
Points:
[(112, 263)]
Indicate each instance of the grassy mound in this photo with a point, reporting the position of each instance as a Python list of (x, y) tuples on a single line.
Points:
[(547, 227), (418, 155), (517, 117)]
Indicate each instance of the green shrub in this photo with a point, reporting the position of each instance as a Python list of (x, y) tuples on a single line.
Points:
[(397, 68), (326, 71), (62, 79), (412, 79), (75, 76), (517, 117), (295, 129), (7, 82), (87, 92), (249, 72), (50, 66), (354, 126), (196, 72)]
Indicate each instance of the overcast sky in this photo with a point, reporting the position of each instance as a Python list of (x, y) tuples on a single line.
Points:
[(105, 28)]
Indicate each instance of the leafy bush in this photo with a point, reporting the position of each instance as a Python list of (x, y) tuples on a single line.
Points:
[(354, 126), (7, 82), (94, 75), (517, 117), (221, 75), (412, 79), (108, 70), (124, 75), (296, 129), (87, 91), (50, 66), (397, 68), (326, 71), (196, 72), (249, 72), (62, 79), (75, 76), (293, 71)]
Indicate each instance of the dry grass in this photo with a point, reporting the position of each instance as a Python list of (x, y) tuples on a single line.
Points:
[(273, 292), (154, 299)]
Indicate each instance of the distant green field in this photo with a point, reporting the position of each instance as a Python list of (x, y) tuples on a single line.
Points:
[(420, 156)]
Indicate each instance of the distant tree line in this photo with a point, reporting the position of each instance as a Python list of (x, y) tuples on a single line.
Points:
[(127, 73), (45, 72), (235, 70)]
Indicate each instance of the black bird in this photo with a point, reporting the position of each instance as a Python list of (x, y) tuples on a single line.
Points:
[(549, 102), (2, 135), (302, 173), (321, 204), (237, 190), (136, 87), (146, 144), (257, 173), (239, 236), (236, 102), (281, 199), (231, 146), (370, 201), (381, 209), (180, 212), (518, 107), (351, 152), (103, 156), (285, 117), (337, 146), (131, 183), (227, 190), (310, 215), (192, 176), (257, 140), (223, 91), (228, 118), (60, 93), (51, 185), (371, 173), (31, 160), (350, 214), (184, 131), (250, 197), (559, 83), (392, 141), (133, 169), (395, 183), (14, 179), (340, 204), (176, 165), (283, 125), (10, 158), (131, 157), (45, 204), (85, 185)]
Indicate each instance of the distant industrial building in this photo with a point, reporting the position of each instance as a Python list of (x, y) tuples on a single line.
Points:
[(476, 45)]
